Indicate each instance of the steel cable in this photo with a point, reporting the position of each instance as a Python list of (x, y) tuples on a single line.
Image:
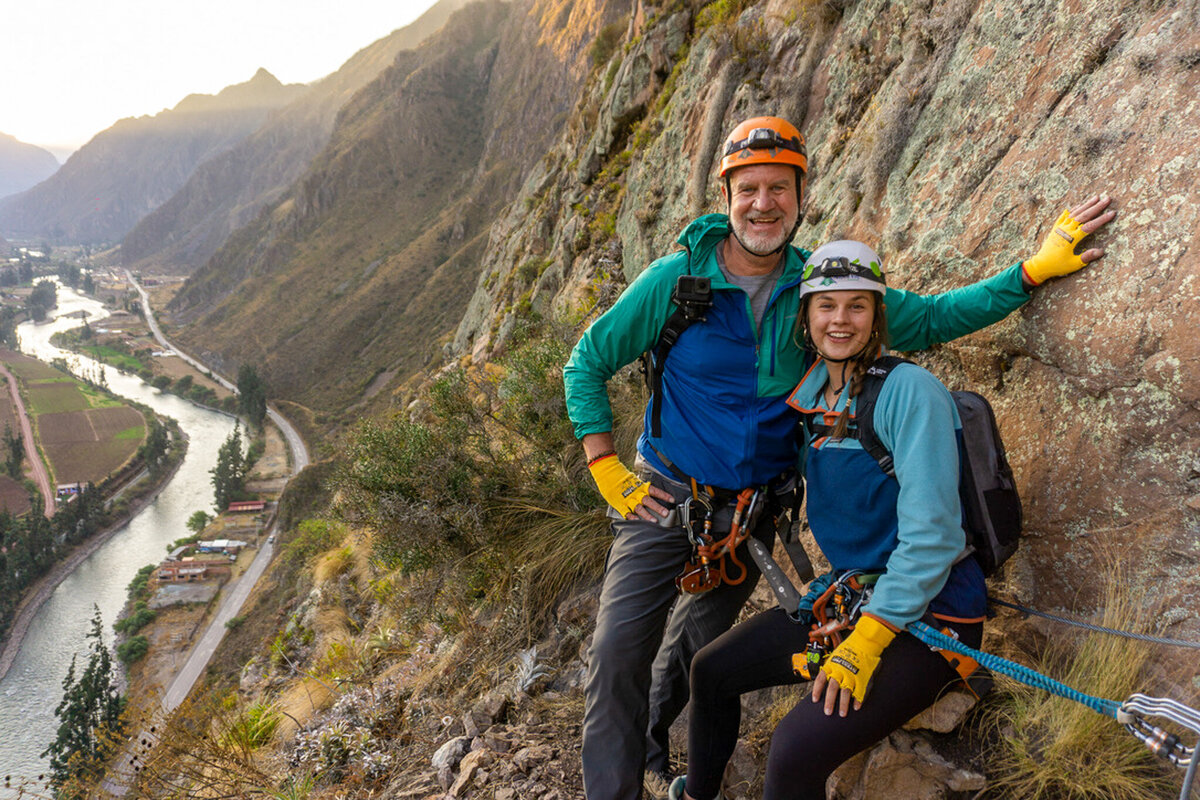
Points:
[(1141, 637)]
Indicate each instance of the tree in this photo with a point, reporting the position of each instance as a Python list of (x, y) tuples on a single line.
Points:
[(69, 274), (252, 395), (198, 521), (154, 450), (43, 298), (130, 651), (14, 452), (8, 326), (90, 723), (229, 475)]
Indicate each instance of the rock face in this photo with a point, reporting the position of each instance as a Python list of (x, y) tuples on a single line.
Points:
[(23, 165), (127, 171), (950, 135)]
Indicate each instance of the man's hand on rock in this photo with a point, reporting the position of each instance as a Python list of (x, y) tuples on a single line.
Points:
[(1057, 255)]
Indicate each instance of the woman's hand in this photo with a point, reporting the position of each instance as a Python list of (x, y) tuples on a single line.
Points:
[(850, 667), (835, 696)]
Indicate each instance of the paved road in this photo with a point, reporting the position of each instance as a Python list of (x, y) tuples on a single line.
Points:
[(295, 443), (235, 597), (40, 476)]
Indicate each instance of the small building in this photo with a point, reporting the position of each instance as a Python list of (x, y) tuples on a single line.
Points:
[(246, 506), (190, 570), (221, 546)]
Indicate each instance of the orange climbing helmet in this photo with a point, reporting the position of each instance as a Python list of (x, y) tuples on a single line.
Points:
[(764, 140)]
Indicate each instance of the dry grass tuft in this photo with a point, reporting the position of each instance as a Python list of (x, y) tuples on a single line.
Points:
[(554, 550), (333, 564), (299, 702), (1051, 748)]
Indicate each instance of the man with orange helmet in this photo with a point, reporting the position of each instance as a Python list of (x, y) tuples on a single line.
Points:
[(717, 424)]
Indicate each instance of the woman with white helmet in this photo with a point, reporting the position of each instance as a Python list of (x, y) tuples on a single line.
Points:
[(899, 534)]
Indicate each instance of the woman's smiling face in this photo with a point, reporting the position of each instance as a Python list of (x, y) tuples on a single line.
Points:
[(840, 322)]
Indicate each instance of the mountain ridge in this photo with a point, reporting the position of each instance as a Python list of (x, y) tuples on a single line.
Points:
[(23, 165), (227, 191), (402, 146), (87, 201)]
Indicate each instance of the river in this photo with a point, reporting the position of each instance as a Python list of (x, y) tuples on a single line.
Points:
[(33, 687)]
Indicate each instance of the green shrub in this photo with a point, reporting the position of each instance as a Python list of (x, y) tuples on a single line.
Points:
[(720, 12), (185, 540), (133, 649), (313, 536), (137, 586), (605, 43), (140, 618)]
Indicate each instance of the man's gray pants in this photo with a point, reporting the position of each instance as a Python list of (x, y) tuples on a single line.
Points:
[(638, 675)]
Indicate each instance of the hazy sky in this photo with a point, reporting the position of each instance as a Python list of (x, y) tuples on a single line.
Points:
[(71, 68)]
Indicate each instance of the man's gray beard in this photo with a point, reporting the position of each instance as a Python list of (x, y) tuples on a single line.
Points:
[(758, 244)]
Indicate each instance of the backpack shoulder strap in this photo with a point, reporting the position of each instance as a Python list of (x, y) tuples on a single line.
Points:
[(692, 297), (864, 410)]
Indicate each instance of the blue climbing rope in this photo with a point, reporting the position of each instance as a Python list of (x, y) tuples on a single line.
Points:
[(1012, 669), (1131, 713)]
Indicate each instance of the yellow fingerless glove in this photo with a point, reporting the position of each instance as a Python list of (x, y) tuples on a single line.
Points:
[(621, 488), (853, 663), (1057, 256)]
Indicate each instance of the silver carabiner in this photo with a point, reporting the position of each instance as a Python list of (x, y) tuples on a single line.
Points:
[(685, 509)]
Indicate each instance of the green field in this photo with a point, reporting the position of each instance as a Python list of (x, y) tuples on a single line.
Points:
[(84, 433), (111, 355)]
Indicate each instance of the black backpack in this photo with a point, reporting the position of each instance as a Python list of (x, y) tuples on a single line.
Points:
[(991, 506)]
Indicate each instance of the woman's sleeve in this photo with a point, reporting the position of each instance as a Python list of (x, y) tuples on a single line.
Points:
[(916, 421)]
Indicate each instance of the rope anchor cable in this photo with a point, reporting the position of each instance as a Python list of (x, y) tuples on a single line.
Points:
[(1132, 713)]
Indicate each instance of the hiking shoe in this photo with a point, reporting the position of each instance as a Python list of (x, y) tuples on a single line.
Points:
[(655, 785), (675, 791)]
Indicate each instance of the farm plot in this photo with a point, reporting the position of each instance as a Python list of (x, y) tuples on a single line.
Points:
[(88, 445), (14, 498), (55, 397), (29, 369)]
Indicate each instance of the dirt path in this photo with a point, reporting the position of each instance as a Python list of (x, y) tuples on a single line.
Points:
[(40, 476)]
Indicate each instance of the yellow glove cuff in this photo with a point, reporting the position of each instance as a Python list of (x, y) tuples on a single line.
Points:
[(623, 490), (853, 663), (1057, 256)]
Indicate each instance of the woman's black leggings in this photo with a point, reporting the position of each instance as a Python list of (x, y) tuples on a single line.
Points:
[(807, 745)]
